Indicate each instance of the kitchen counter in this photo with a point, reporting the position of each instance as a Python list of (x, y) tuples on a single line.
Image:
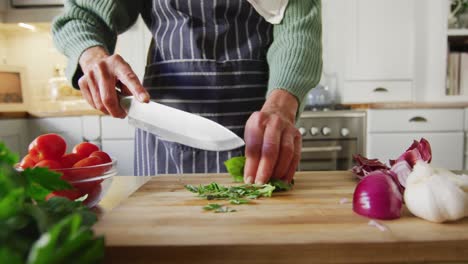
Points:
[(410, 105), (164, 223)]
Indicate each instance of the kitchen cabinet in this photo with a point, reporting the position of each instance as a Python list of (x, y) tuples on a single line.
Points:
[(379, 37), (14, 133), (117, 139), (29, 14), (70, 128), (391, 132)]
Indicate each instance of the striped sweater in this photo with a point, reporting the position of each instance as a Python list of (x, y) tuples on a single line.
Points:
[(294, 57)]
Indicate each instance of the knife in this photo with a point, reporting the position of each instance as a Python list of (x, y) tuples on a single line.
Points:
[(179, 126)]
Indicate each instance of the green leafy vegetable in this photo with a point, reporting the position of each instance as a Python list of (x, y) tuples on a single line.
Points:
[(235, 167), (36, 231), (236, 194)]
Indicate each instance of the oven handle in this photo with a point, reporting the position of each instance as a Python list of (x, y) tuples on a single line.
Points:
[(322, 149)]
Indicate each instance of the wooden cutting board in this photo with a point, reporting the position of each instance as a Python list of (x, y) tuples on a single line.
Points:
[(164, 223)]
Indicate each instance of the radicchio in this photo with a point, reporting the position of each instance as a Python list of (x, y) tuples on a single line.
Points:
[(400, 168)]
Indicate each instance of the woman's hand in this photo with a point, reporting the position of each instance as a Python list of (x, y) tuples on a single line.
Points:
[(102, 73), (273, 143)]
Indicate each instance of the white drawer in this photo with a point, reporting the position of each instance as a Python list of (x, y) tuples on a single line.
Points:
[(447, 147), (116, 128), (377, 91), (415, 120)]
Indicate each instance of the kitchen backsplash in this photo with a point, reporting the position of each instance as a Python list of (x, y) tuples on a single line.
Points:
[(33, 50)]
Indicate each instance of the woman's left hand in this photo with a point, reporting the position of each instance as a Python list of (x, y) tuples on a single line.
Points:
[(272, 142)]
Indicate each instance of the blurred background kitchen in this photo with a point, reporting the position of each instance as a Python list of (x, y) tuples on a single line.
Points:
[(394, 71)]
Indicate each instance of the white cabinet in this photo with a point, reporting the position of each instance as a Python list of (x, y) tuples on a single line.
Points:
[(14, 133), (391, 132), (379, 37), (447, 147), (117, 140), (70, 128)]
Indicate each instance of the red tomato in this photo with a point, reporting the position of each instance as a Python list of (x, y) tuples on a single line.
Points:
[(102, 155), (85, 149), (50, 164), (94, 196), (27, 162), (34, 155), (49, 146), (72, 194), (68, 160), (90, 161)]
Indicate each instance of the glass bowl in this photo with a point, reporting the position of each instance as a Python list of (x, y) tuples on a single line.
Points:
[(93, 181)]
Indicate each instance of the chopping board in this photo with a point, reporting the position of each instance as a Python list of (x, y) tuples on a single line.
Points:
[(313, 223)]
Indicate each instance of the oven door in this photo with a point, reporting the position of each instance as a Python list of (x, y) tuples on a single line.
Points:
[(328, 155)]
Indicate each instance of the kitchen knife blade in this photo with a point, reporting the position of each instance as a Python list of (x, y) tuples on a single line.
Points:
[(179, 126)]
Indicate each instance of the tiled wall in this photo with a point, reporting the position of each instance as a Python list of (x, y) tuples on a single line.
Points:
[(35, 52)]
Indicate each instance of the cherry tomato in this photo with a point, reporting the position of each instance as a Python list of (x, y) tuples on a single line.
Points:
[(102, 155), (68, 160), (85, 149), (49, 146), (34, 155), (85, 169), (72, 194), (27, 162), (93, 196), (50, 164)]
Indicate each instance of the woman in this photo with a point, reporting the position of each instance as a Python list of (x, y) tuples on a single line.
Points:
[(216, 58)]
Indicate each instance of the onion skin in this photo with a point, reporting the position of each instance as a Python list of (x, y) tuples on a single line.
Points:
[(377, 196)]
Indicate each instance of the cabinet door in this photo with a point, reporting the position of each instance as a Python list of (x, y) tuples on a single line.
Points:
[(123, 151), (68, 127), (14, 134), (380, 35), (447, 148)]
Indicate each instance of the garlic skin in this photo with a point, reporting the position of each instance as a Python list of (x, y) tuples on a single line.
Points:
[(437, 195)]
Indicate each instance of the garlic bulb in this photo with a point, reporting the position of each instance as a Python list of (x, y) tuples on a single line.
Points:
[(437, 195)]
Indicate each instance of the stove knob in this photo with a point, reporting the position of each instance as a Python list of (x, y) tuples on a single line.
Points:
[(344, 132), (302, 131), (326, 131), (314, 131)]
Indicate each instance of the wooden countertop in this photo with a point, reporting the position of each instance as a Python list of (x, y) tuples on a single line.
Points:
[(163, 223), (39, 114), (410, 105)]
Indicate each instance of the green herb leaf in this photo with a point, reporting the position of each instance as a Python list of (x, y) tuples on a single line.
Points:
[(239, 201), (211, 207), (11, 203), (42, 181), (6, 157), (280, 185), (235, 167), (225, 209), (63, 241), (7, 255)]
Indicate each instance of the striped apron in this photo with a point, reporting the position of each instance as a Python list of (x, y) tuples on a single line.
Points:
[(207, 57)]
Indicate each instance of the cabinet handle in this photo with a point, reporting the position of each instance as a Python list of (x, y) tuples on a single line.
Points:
[(322, 149), (418, 119), (380, 90)]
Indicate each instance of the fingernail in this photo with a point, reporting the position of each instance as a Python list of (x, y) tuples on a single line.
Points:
[(259, 182), (249, 180), (142, 97)]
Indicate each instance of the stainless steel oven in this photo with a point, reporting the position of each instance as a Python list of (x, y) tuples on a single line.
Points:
[(331, 138)]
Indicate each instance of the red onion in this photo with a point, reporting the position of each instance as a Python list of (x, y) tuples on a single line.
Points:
[(402, 168), (365, 166), (377, 196)]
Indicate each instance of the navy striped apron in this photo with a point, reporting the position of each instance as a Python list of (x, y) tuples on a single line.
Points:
[(207, 57)]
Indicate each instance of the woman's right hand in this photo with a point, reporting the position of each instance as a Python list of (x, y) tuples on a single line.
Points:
[(102, 74)]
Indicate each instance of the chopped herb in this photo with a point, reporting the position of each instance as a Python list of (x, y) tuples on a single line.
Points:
[(225, 209), (239, 201), (211, 207)]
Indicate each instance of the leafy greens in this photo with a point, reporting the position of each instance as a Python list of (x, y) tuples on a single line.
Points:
[(36, 231)]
